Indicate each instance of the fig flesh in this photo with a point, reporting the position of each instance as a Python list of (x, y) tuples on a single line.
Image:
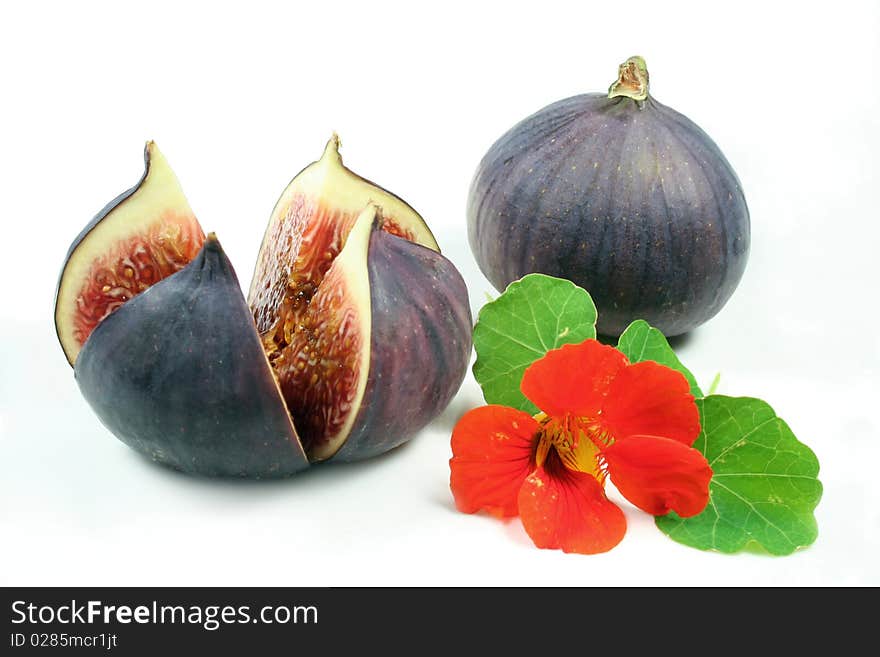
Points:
[(140, 237), (358, 332), (620, 194), (307, 230)]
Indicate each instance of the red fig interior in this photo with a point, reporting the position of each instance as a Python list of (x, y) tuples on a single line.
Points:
[(307, 230), (312, 310), (322, 368), (141, 237)]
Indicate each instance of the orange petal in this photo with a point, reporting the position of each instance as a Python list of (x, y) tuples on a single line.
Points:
[(659, 475), (573, 379), (492, 453), (651, 399), (563, 509)]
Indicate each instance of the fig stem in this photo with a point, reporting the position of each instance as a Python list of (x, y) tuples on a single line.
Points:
[(632, 80)]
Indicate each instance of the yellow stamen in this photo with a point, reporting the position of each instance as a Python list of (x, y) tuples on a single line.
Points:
[(543, 448), (577, 441)]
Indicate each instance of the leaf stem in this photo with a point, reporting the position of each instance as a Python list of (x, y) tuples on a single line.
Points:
[(714, 385)]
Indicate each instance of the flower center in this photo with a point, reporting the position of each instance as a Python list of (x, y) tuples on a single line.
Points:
[(577, 441)]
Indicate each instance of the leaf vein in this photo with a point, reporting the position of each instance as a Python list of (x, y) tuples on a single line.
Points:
[(514, 340), (537, 330), (736, 443), (756, 512), (559, 318)]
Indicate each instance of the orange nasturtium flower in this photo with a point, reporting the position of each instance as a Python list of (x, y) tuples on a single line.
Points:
[(601, 416)]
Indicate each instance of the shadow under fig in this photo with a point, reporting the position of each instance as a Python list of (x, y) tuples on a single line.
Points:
[(318, 474), (679, 341), (331, 473), (460, 405)]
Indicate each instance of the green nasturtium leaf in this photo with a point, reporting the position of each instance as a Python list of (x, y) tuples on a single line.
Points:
[(535, 314), (641, 341), (764, 488)]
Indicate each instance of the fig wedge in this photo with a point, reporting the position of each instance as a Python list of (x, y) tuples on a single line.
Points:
[(308, 228), (142, 236), (381, 347)]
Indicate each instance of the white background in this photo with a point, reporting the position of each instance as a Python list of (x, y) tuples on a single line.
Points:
[(242, 96)]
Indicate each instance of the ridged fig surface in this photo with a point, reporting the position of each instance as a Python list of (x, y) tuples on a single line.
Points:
[(420, 344), (179, 374), (630, 200)]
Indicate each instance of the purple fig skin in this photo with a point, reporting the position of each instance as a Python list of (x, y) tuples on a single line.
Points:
[(420, 344), (98, 218), (179, 374), (630, 200)]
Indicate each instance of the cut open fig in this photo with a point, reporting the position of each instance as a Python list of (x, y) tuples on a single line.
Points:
[(358, 331)]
